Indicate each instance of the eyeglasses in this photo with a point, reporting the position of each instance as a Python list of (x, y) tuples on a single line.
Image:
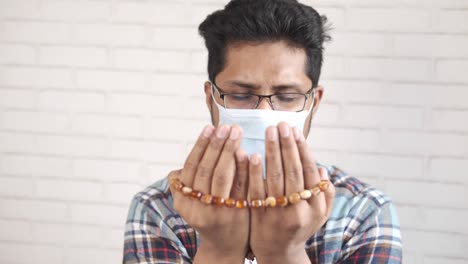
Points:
[(293, 102)]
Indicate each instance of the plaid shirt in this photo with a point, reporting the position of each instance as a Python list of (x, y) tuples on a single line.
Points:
[(363, 227)]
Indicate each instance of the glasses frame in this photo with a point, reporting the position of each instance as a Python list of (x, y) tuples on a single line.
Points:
[(307, 95)]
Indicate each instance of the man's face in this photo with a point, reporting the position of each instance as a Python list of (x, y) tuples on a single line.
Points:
[(264, 69)]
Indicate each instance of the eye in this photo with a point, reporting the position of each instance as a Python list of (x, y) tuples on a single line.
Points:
[(241, 97), (288, 98)]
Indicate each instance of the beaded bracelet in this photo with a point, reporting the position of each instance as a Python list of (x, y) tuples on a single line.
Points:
[(271, 201)]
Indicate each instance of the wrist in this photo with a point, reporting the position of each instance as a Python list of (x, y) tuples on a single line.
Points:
[(207, 253), (296, 256)]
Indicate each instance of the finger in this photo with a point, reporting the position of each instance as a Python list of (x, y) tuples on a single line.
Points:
[(329, 192), (225, 169), (173, 175), (196, 154), (256, 183), (180, 203), (205, 169), (241, 182), (309, 167), (274, 164), (292, 167)]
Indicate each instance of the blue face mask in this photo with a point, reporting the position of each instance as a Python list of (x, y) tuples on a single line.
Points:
[(254, 122)]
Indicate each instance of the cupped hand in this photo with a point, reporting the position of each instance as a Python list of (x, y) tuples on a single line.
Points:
[(279, 234), (217, 167)]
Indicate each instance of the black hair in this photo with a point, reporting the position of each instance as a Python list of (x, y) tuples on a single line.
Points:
[(257, 21)]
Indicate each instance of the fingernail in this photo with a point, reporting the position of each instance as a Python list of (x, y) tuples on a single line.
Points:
[(324, 173), (297, 133), (272, 133), (208, 131), (255, 159), (240, 156), (284, 131), (234, 134), (221, 132)]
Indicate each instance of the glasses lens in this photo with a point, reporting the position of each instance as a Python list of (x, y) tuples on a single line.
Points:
[(240, 101), (288, 102)]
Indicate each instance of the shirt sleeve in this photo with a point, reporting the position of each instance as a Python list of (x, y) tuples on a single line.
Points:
[(145, 241), (376, 240)]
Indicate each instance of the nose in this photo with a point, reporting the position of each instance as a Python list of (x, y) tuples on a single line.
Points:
[(264, 104)]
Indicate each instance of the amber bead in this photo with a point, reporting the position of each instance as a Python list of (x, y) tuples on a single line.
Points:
[(196, 194), (229, 202), (219, 201), (256, 203), (172, 181), (315, 191), (323, 185), (294, 198), (187, 190), (305, 194), (270, 202), (206, 198), (282, 201), (177, 184), (241, 203)]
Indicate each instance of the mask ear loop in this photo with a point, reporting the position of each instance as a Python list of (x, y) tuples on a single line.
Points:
[(311, 109), (212, 89), (313, 99), (213, 97)]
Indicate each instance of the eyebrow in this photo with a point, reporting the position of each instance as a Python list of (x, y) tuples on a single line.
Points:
[(252, 86)]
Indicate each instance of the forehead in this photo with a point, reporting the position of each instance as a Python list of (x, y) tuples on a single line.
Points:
[(266, 63)]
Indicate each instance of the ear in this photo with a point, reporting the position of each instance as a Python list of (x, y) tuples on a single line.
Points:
[(208, 97), (317, 98)]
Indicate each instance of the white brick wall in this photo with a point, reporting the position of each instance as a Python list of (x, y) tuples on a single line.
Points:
[(100, 98)]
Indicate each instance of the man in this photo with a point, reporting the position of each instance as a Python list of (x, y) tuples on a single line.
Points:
[(250, 186)]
